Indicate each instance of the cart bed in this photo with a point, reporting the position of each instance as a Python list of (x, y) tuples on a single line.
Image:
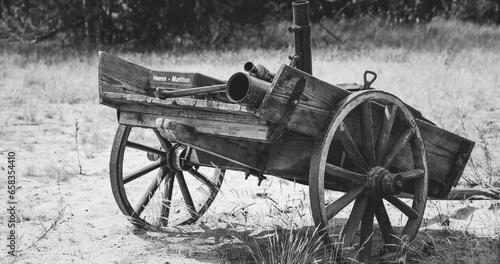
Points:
[(126, 86)]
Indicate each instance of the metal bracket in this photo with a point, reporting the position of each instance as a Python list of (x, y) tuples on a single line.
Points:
[(367, 83), (293, 60), (296, 28), (293, 101), (259, 176)]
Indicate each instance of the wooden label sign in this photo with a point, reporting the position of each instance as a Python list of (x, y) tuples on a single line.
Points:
[(164, 79), (171, 79)]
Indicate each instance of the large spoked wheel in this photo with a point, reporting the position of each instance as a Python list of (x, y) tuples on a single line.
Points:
[(153, 183), (372, 150)]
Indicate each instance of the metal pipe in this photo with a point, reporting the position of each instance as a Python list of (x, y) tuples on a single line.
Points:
[(163, 93), (259, 71), (302, 30), (246, 90)]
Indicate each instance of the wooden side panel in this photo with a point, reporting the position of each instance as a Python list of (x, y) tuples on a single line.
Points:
[(447, 155), (216, 128), (313, 108), (192, 113), (244, 153), (120, 76), (181, 102), (443, 150), (290, 157)]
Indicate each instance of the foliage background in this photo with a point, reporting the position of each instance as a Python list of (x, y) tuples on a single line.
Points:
[(153, 24)]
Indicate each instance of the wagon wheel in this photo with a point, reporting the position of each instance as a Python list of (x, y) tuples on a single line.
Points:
[(153, 183), (372, 159)]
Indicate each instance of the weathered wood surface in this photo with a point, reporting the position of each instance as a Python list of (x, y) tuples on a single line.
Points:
[(476, 193), (118, 99), (212, 127), (447, 153), (289, 157), (467, 193), (244, 153), (120, 76), (314, 106)]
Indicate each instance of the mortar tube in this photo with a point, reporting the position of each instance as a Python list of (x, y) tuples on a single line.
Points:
[(246, 90)]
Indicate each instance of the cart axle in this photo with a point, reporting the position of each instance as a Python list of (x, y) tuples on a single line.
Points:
[(382, 182)]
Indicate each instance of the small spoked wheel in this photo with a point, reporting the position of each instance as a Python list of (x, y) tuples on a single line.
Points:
[(371, 151), (154, 184)]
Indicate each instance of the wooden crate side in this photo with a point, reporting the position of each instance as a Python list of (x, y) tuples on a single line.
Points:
[(120, 76), (314, 105)]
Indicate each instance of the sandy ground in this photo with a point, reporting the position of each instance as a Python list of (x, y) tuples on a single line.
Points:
[(67, 217)]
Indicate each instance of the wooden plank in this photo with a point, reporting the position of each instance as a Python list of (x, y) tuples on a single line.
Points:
[(116, 74), (290, 156), (232, 117), (456, 169), (477, 193), (244, 153), (465, 193), (218, 128), (313, 108), (118, 99)]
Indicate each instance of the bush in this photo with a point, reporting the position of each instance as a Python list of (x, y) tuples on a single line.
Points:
[(205, 23)]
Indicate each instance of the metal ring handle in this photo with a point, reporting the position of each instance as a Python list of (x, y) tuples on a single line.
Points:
[(367, 83)]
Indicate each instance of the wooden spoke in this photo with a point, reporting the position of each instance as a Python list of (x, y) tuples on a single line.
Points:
[(185, 193), (390, 112), (366, 232), (167, 198), (412, 174), (138, 146), (142, 171), (367, 145), (344, 174), (164, 143), (354, 219), (398, 146), (384, 223), (352, 149), (335, 207), (403, 207), (203, 179), (150, 191), (342, 158)]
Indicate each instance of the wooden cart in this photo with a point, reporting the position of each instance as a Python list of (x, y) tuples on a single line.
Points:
[(366, 144)]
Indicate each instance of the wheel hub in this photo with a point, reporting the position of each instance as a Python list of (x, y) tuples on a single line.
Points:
[(177, 158), (382, 182)]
